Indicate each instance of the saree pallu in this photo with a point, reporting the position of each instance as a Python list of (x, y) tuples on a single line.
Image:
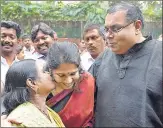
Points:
[(79, 109), (30, 116)]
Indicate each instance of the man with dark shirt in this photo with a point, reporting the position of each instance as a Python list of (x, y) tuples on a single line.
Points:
[(128, 74)]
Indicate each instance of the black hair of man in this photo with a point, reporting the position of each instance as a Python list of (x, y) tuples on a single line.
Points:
[(13, 25), (26, 36), (44, 28), (92, 26)]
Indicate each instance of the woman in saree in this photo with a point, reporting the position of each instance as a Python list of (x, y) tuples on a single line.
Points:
[(73, 96), (26, 90)]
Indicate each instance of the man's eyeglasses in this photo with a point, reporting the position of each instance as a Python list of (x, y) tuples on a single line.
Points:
[(116, 28)]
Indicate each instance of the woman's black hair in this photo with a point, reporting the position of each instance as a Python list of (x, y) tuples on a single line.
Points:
[(16, 91), (63, 52)]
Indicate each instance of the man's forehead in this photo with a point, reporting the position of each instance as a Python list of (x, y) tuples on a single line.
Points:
[(92, 32), (118, 17), (8, 30), (41, 34), (27, 39)]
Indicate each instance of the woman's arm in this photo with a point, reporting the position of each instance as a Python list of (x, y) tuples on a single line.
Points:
[(5, 122)]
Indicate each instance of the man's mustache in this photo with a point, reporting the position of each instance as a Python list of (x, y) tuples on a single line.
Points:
[(3, 43), (91, 47)]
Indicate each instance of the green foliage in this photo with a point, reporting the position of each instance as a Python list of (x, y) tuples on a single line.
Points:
[(153, 11), (89, 11), (85, 11), (56, 10)]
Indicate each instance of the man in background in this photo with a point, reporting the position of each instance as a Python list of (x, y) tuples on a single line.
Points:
[(94, 40), (28, 45), (42, 37), (10, 33)]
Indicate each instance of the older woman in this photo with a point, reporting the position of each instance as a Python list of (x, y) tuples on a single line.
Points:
[(26, 90)]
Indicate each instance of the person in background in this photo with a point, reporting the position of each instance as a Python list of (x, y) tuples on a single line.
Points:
[(85, 56), (94, 39), (28, 45), (128, 76), (26, 90), (10, 33), (42, 37), (82, 47), (20, 52)]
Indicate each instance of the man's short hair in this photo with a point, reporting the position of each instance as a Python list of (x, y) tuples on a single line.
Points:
[(43, 28), (133, 12), (92, 26), (13, 25), (26, 36)]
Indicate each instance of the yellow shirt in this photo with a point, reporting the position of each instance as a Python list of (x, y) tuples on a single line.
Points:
[(31, 116)]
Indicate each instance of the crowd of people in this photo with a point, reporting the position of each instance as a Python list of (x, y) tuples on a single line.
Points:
[(112, 78)]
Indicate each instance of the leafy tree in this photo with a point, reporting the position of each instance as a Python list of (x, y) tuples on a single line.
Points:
[(152, 10), (89, 11)]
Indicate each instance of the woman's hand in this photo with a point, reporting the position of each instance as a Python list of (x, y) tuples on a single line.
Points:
[(6, 122)]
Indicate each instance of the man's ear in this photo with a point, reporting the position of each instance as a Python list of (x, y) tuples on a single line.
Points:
[(138, 26), (31, 84), (55, 37)]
